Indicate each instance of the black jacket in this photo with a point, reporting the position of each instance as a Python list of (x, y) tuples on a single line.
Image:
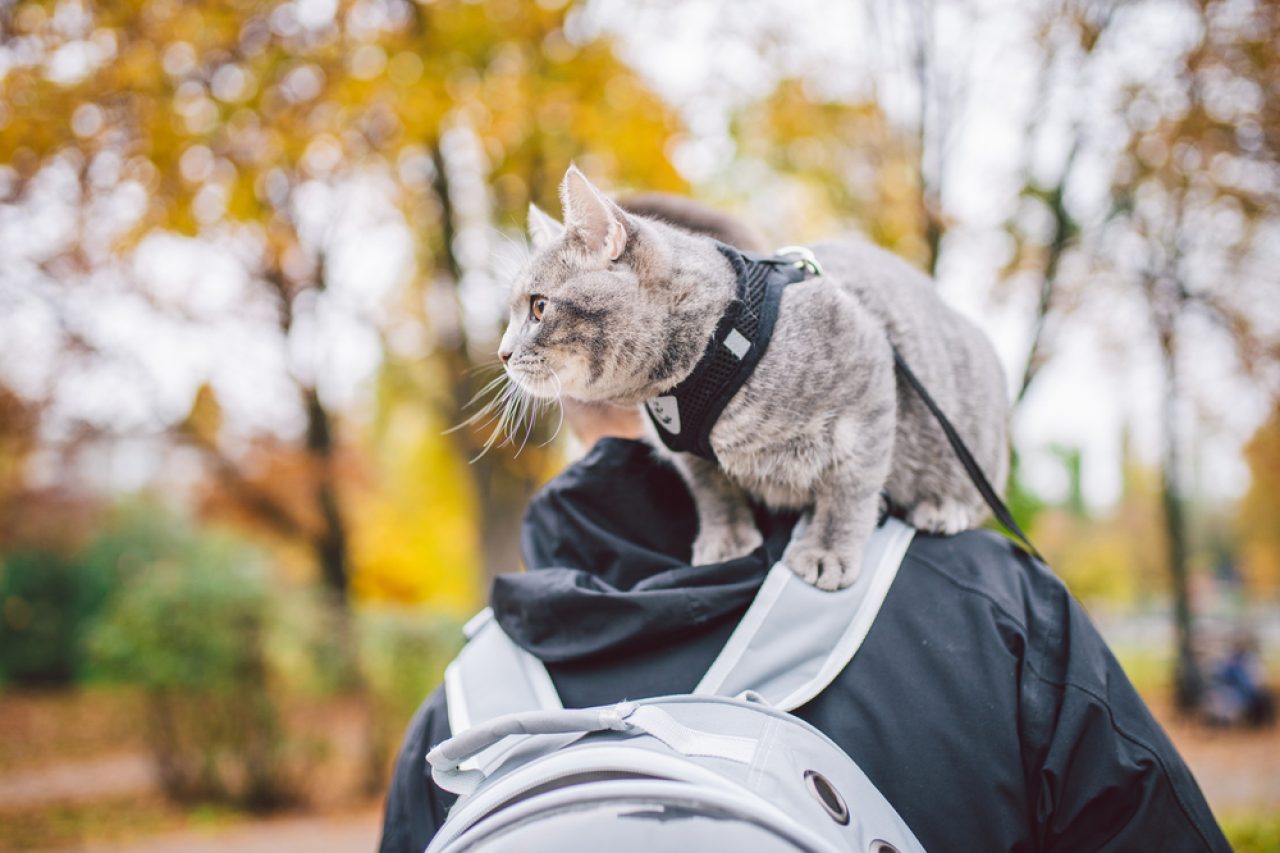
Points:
[(983, 703)]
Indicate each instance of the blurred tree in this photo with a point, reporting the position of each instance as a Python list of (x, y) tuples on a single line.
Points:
[(235, 121), (1196, 200), (1258, 520), (39, 517), (849, 161), (1115, 556), (415, 467), (1073, 37), (936, 95), (19, 420)]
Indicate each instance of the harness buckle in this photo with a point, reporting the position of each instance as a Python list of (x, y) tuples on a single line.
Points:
[(805, 258)]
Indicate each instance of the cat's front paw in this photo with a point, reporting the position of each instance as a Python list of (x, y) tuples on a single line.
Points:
[(725, 542), (822, 567)]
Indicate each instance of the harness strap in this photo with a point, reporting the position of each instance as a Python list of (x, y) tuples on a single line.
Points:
[(684, 415), (979, 479)]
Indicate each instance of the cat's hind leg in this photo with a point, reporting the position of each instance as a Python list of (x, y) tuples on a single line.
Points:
[(945, 516), (726, 527)]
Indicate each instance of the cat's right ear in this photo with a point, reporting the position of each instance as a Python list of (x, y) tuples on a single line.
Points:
[(542, 228)]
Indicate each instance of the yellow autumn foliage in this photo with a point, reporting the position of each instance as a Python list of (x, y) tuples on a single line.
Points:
[(413, 535)]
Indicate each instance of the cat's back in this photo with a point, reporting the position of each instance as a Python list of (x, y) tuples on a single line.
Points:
[(950, 354), (905, 302), (889, 287)]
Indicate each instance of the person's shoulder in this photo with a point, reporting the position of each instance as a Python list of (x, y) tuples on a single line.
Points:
[(1030, 610), (983, 566), (415, 807)]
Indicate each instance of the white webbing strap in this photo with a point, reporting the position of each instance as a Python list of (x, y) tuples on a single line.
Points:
[(795, 639), (686, 741)]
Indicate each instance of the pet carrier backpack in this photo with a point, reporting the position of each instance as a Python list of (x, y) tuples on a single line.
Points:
[(726, 766)]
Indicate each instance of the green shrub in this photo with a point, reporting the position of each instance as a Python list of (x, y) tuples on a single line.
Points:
[(1258, 833), (197, 624), (193, 633), (47, 601), (49, 598), (403, 653)]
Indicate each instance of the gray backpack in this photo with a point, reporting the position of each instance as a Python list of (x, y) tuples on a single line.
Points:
[(726, 766)]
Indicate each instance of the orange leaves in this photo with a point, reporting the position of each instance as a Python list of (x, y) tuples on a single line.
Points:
[(1260, 508)]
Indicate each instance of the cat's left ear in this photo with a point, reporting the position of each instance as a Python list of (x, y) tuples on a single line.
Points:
[(542, 228), (597, 222)]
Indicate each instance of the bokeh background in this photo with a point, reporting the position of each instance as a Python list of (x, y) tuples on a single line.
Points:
[(252, 266)]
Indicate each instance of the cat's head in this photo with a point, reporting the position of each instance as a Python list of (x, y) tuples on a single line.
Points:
[(595, 312)]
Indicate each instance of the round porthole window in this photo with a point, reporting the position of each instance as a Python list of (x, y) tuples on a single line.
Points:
[(821, 789)]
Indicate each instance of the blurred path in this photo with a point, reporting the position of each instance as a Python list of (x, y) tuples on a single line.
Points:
[(1238, 769), (78, 781), (347, 832)]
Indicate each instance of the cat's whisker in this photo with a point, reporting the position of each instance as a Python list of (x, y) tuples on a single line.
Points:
[(559, 405), (497, 412), (511, 415), (499, 416), (487, 408), (494, 415), (489, 386), (481, 368), (529, 416)]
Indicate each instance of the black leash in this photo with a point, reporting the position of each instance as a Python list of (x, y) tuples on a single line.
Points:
[(980, 480)]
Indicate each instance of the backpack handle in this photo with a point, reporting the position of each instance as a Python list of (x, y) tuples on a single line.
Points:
[(447, 758), (450, 754)]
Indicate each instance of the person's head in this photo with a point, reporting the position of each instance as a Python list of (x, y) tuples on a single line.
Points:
[(696, 217), (1244, 643)]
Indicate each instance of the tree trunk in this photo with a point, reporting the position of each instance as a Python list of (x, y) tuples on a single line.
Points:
[(1187, 679), (1064, 229), (503, 488), (330, 541)]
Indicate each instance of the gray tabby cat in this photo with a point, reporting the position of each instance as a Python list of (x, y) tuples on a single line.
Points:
[(615, 307)]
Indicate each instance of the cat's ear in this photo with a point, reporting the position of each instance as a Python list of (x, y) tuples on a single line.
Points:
[(542, 228), (598, 223)]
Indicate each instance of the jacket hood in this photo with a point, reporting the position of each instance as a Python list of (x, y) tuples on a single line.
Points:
[(606, 547)]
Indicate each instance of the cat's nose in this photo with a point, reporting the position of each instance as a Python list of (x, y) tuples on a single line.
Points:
[(505, 355)]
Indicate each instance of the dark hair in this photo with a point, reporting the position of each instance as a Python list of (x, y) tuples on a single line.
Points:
[(697, 217)]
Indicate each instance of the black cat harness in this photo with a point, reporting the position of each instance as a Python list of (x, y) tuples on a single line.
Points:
[(685, 415)]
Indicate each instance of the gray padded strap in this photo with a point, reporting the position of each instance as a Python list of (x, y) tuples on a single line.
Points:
[(792, 642), (492, 677), (795, 639)]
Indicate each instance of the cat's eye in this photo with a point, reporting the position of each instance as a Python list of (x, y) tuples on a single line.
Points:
[(537, 305)]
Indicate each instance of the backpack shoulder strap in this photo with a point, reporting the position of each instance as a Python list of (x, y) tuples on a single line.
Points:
[(492, 676), (795, 639), (791, 644)]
